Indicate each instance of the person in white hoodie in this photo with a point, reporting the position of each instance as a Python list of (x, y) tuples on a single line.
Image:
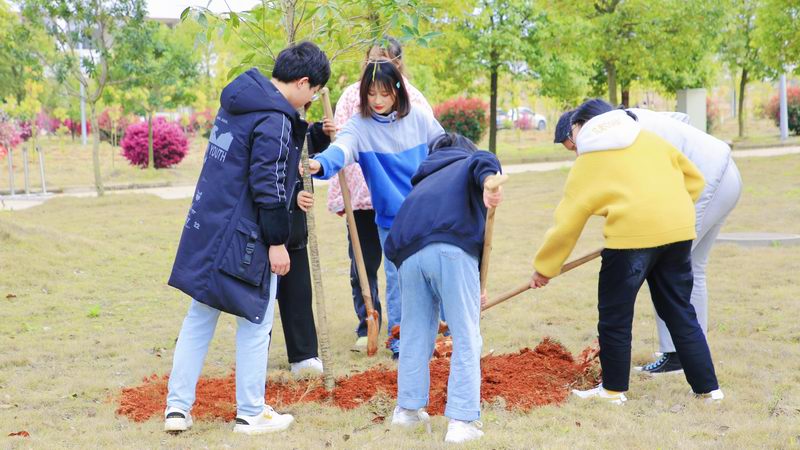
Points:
[(720, 195), (645, 189)]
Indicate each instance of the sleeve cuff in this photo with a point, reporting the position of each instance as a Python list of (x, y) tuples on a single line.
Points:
[(274, 223)]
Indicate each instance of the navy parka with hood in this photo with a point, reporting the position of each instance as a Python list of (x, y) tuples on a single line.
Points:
[(240, 204), (444, 205)]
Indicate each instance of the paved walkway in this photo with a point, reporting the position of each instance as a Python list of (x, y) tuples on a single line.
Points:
[(20, 202)]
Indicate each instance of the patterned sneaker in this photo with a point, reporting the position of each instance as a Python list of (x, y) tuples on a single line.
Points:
[(714, 396), (459, 431), (360, 345), (617, 398), (667, 363), (176, 420), (268, 421), (411, 417)]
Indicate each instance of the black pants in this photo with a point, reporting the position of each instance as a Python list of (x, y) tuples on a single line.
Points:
[(668, 271), (294, 301), (373, 253)]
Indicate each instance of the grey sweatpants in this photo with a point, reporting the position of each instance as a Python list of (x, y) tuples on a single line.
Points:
[(711, 213)]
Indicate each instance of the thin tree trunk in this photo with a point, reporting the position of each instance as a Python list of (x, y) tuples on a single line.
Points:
[(98, 180), (151, 162), (493, 104), (611, 74), (742, 86), (626, 94), (319, 293)]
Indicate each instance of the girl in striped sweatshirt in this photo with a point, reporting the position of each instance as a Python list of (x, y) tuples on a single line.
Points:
[(388, 139)]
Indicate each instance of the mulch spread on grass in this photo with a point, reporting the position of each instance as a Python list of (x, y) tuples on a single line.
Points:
[(523, 380)]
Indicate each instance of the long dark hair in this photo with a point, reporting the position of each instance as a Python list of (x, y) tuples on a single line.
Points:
[(594, 107), (384, 75)]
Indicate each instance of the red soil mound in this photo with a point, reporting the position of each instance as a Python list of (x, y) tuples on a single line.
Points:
[(523, 380)]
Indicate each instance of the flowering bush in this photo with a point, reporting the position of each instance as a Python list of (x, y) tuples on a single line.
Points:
[(773, 109), (112, 124), (524, 123), (169, 144), (74, 127), (467, 116), (202, 122), (25, 130), (712, 114), (9, 134), (47, 123)]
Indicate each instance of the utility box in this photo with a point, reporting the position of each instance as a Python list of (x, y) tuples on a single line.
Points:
[(693, 103)]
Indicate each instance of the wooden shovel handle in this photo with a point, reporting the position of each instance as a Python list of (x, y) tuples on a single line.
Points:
[(372, 325), (492, 183), (524, 287)]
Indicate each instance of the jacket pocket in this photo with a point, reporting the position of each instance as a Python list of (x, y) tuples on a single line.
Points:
[(246, 256)]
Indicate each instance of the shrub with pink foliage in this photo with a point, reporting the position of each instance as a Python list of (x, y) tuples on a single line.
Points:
[(112, 130), (9, 134), (25, 130), (202, 122), (74, 127), (773, 109), (169, 144), (467, 116), (47, 123)]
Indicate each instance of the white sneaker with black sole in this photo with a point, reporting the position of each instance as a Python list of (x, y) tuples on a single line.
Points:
[(459, 431), (268, 421), (176, 420), (411, 417)]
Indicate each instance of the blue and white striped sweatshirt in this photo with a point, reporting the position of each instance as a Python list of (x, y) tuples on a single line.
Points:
[(389, 151)]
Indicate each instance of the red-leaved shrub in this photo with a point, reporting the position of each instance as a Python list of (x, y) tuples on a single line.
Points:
[(773, 109), (202, 122), (169, 144), (47, 123), (467, 116), (112, 130), (9, 134), (74, 127)]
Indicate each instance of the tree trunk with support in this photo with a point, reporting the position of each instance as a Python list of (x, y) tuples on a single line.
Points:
[(98, 179), (151, 162), (611, 74), (493, 106), (742, 87)]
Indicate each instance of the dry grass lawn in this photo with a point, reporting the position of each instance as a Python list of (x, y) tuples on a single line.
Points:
[(85, 311)]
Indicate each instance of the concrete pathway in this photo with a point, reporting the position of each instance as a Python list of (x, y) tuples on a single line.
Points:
[(20, 202)]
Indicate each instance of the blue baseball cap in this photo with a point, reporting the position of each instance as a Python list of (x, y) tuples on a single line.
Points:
[(563, 127)]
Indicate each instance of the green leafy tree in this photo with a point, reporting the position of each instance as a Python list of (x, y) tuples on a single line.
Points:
[(83, 32), (158, 71), (778, 34), (741, 50), (20, 43)]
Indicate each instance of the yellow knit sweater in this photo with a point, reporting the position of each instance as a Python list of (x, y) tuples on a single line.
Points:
[(645, 191)]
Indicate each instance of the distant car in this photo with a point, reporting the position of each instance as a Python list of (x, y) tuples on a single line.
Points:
[(502, 119), (524, 117)]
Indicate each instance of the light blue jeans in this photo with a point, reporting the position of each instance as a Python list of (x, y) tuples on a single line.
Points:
[(252, 347), (392, 292), (441, 275)]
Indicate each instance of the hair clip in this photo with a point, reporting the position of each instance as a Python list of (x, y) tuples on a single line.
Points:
[(397, 84)]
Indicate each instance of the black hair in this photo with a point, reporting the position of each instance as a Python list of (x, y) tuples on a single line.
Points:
[(384, 75), (302, 60), (563, 127), (594, 107), (452, 140)]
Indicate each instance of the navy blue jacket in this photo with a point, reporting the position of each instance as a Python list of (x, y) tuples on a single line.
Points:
[(445, 204), (249, 173)]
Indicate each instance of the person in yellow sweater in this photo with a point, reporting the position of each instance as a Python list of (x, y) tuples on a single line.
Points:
[(645, 188)]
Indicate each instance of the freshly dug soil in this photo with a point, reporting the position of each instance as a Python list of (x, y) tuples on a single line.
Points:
[(523, 380)]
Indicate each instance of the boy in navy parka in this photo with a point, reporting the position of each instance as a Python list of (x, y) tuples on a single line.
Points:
[(233, 244), (436, 240)]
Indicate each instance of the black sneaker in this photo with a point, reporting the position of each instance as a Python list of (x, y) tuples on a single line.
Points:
[(667, 363)]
